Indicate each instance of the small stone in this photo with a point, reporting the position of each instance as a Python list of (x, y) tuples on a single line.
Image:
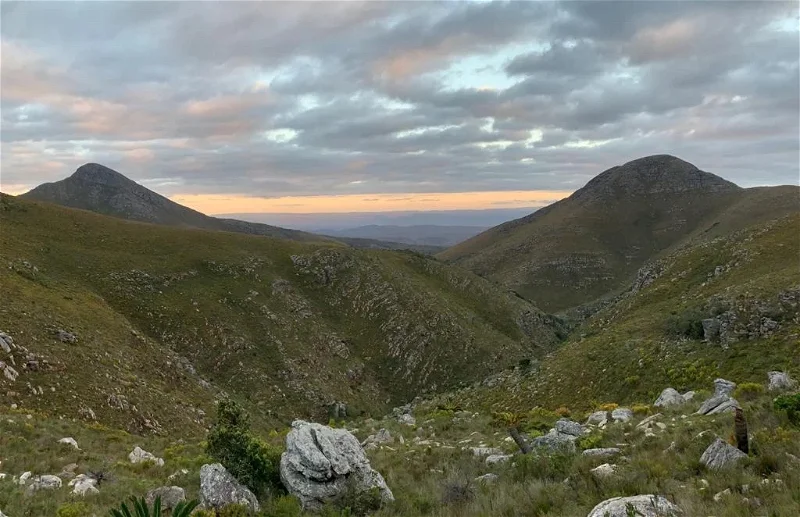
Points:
[(170, 496), (70, 441), (602, 452), (138, 455), (622, 414), (605, 470), (84, 485), (486, 478), (498, 458), (720, 495), (480, 452)]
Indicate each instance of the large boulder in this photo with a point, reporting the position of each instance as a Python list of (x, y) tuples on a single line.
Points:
[(721, 401), (720, 455), (321, 464), (170, 496), (780, 381), (669, 397), (218, 488), (639, 505), (84, 485)]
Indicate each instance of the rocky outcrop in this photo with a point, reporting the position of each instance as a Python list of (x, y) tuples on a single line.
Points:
[(6, 343), (218, 488), (139, 455), (720, 455), (321, 464), (170, 496), (780, 381), (721, 401), (639, 505)]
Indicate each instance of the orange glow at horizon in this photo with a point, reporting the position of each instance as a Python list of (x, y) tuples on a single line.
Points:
[(239, 204)]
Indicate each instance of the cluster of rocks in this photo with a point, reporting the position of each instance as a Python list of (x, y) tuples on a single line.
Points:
[(671, 397)]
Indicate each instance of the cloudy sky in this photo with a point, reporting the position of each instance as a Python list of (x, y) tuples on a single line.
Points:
[(330, 106)]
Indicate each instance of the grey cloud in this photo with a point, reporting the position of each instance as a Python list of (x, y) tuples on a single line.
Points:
[(184, 91)]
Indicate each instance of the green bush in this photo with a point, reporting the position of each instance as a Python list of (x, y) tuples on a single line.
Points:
[(233, 510), (591, 441), (284, 506), (250, 460), (790, 404), (688, 323), (748, 391), (73, 510)]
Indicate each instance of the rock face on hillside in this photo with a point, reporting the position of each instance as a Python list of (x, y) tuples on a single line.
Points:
[(721, 401), (720, 455), (322, 464)]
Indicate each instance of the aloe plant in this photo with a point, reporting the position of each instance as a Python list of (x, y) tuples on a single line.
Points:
[(140, 508)]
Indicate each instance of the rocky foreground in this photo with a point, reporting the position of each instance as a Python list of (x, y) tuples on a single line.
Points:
[(684, 455)]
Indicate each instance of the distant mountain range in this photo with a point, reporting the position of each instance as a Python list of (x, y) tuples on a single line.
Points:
[(423, 235), (593, 242), (105, 191)]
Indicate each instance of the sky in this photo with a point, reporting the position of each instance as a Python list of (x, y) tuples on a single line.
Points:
[(245, 107)]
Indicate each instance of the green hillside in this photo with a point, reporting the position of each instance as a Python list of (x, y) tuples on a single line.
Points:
[(593, 242), (652, 336), (168, 319)]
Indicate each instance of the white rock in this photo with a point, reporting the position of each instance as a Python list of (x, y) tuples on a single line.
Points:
[(69, 441), (407, 419), (565, 426), (605, 470), (486, 478), (642, 505), (24, 477), (498, 458), (780, 381), (321, 463), (45, 482), (622, 414), (479, 452), (721, 495), (602, 452), (83, 485), (170, 496), (139, 455), (598, 418)]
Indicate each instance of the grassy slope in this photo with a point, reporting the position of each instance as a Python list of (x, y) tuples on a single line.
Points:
[(625, 353), (285, 327), (547, 485), (571, 253)]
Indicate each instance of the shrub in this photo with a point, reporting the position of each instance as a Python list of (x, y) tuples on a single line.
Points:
[(749, 391), (250, 460), (233, 510), (73, 510), (284, 506), (688, 323), (591, 441), (640, 409), (790, 404), (456, 492), (611, 406), (140, 508), (563, 411)]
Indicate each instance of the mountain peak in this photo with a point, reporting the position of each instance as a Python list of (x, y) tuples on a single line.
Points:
[(96, 173), (658, 174)]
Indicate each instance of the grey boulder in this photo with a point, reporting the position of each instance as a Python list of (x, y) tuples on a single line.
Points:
[(669, 397), (565, 426), (720, 455), (602, 452), (721, 401), (170, 496), (218, 488), (622, 414), (780, 381), (598, 418), (46, 482), (639, 505), (555, 441), (321, 464)]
